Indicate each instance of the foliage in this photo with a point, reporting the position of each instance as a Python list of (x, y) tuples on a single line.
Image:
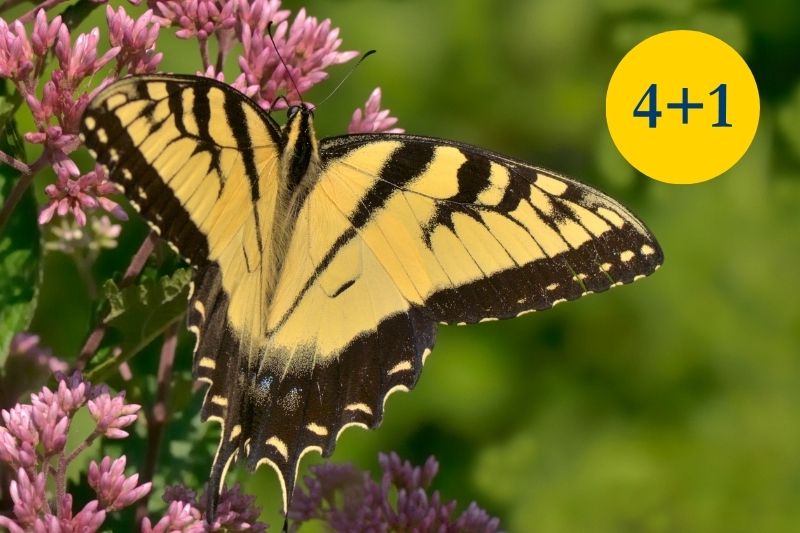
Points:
[(20, 247)]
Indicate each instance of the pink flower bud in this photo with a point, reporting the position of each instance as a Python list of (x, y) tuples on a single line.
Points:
[(9, 453), (63, 207), (27, 456), (20, 424), (35, 106), (12, 526), (63, 47), (152, 35), (49, 96), (52, 31), (113, 207), (87, 200), (141, 24), (80, 218), (46, 215), (35, 137), (39, 34), (21, 47), (114, 490), (89, 519)]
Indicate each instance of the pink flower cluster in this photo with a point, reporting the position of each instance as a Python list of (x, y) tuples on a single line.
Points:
[(35, 434), (197, 18), (58, 99), (373, 119), (307, 47), (186, 513), (349, 501), (58, 111), (88, 191), (136, 40)]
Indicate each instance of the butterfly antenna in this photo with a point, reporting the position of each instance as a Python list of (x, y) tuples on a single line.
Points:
[(288, 73), (278, 99), (348, 75)]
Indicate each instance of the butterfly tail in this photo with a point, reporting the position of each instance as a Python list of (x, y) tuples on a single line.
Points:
[(226, 453), (228, 411)]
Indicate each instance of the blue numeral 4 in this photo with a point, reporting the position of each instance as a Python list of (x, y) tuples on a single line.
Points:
[(652, 113)]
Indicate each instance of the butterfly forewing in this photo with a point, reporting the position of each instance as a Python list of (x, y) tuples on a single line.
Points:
[(474, 235)]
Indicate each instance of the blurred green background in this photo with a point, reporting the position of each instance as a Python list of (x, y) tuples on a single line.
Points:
[(666, 406)]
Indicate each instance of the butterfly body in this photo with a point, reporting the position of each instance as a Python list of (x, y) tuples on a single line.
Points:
[(322, 268)]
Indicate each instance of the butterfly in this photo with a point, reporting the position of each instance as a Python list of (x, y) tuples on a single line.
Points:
[(322, 268)]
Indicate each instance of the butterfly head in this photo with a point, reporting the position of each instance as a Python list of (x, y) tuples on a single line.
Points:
[(299, 123), (303, 109), (300, 118)]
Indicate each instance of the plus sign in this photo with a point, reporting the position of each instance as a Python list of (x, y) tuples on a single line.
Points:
[(685, 105)]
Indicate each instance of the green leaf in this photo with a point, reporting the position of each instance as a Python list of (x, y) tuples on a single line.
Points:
[(138, 314), (8, 107), (20, 245), (77, 13)]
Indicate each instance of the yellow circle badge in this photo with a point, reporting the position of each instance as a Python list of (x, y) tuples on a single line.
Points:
[(682, 107)]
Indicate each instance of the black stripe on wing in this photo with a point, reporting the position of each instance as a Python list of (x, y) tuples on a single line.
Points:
[(113, 146), (406, 164)]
